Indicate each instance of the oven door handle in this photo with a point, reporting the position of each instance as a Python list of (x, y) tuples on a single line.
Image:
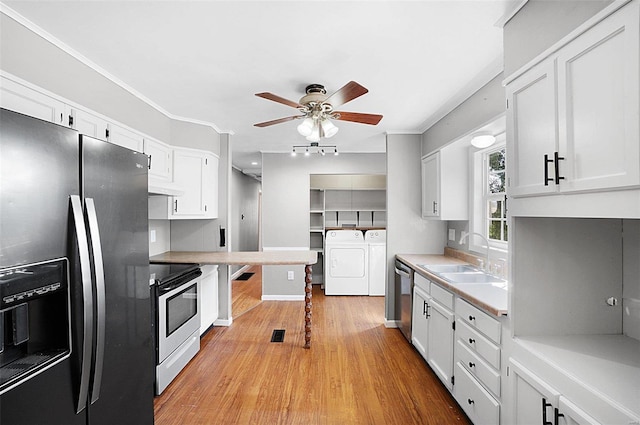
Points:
[(98, 264), (87, 298)]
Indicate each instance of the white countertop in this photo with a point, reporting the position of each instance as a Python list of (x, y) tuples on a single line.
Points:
[(490, 297)]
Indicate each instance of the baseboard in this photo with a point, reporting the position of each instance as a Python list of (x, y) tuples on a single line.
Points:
[(391, 323), (282, 297), (239, 272), (223, 322)]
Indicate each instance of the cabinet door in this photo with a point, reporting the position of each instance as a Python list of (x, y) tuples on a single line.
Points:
[(210, 186), (440, 345), (18, 98), (570, 414), (532, 131), (159, 159), (126, 138), (209, 298), (89, 124), (188, 173), (534, 399), (431, 186), (419, 321), (598, 98)]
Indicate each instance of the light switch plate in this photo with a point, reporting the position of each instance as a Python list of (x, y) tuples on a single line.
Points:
[(152, 236), (452, 234), (290, 275)]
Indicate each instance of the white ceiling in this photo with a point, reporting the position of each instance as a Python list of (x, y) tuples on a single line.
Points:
[(205, 60)]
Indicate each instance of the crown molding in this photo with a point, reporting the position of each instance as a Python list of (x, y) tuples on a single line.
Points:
[(6, 10)]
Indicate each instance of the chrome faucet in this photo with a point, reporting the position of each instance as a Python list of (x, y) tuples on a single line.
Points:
[(463, 238)]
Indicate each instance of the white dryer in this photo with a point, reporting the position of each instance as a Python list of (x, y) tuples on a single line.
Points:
[(377, 243), (347, 263)]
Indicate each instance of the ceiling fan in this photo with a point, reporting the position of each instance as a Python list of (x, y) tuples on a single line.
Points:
[(318, 110)]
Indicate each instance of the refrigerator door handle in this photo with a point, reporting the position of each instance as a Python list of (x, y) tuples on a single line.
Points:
[(96, 247), (87, 298)]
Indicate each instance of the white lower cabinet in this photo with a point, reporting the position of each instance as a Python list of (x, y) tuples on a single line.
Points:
[(476, 402), (420, 321), (208, 297), (440, 346), (537, 402)]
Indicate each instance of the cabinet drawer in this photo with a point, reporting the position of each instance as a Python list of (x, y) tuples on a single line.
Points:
[(479, 320), (478, 367), (479, 344), (421, 282), (441, 295), (476, 402)]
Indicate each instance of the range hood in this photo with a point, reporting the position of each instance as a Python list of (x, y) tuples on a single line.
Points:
[(164, 189)]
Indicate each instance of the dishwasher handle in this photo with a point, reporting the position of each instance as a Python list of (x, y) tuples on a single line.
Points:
[(400, 270)]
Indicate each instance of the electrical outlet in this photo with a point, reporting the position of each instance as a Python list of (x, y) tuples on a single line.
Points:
[(152, 236), (452, 234), (290, 275)]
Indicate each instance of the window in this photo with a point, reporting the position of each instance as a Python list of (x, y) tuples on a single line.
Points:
[(488, 201), (495, 195)]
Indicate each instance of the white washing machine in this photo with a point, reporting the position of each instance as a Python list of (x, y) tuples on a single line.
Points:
[(347, 263), (377, 243)]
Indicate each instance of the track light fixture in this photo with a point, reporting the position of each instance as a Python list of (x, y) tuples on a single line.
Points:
[(314, 147)]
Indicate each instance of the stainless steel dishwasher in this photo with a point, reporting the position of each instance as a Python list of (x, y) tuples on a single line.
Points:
[(404, 280)]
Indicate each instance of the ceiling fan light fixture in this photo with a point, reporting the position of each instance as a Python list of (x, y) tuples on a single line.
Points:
[(483, 140), (306, 127), (328, 128)]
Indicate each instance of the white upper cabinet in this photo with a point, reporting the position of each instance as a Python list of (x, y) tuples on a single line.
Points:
[(531, 125), (431, 185), (160, 164), (573, 119), (89, 124), (598, 105), (445, 184), (126, 138), (210, 186), (195, 172), (19, 98)]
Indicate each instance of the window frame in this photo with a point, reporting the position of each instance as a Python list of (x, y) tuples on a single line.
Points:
[(479, 198)]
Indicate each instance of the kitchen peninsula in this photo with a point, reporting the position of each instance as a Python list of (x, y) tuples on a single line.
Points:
[(253, 258)]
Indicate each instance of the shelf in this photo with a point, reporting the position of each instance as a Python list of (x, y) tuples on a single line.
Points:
[(316, 229), (316, 211), (606, 364)]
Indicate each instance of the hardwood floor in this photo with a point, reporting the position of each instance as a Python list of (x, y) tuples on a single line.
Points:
[(246, 294), (356, 372)]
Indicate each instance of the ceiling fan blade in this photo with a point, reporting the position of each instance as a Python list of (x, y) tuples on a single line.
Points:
[(276, 98), (371, 119), (278, 121), (350, 91)]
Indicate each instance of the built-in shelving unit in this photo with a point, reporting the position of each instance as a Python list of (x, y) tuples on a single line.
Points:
[(344, 201)]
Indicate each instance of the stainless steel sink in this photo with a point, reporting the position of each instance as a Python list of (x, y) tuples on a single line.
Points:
[(450, 268), (471, 278)]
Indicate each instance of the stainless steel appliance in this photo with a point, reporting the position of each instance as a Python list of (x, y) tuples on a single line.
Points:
[(404, 281), (73, 277), (177, 314)]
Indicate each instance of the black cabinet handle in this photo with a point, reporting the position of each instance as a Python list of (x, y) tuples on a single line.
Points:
[(472, 318), (546, 170), (470, 401), (471, 364), (428, 306), (175, 208), (435, 207), (544, 412), (556, 161), (556, 416), (472, 341)]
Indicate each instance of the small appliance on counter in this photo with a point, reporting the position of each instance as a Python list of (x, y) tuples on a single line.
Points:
[(176, 309)]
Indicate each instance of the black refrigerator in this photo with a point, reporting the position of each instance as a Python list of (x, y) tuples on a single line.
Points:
[(75, 319)]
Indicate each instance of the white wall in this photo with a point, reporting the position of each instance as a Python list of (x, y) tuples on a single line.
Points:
[(244, 212), (540, 24), (285, 206), (407, 232)]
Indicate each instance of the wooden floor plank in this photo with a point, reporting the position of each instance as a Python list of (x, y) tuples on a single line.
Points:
[(356, 372)]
